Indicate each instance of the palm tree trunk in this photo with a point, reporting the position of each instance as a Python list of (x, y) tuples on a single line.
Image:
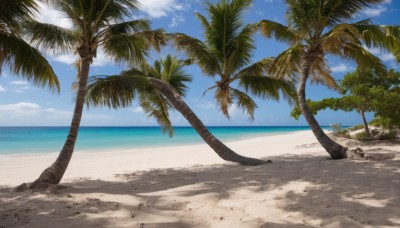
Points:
[(335, 150), (221, 149), (53, 174), (367, 133)]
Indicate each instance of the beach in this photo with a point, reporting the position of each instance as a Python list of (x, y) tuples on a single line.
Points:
[(190, 186)]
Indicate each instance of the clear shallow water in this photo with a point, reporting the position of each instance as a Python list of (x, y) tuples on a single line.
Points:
[(22, 140)]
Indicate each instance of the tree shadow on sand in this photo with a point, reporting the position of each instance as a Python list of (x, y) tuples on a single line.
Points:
[(294, 191)]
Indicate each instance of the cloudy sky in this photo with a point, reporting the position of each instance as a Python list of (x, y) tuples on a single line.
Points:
[(22, 104)]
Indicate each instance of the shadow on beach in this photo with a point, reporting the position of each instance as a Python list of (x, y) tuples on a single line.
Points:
[(294, 191)]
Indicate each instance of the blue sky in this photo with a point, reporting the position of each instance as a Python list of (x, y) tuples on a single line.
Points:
[(22, 104)]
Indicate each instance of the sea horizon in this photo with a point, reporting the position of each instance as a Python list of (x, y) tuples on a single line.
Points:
[(50, 139)]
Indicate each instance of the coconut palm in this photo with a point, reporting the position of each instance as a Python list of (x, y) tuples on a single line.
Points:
[(319, 27), (226, 54), (15, 52), (159, 87), (96, 24)]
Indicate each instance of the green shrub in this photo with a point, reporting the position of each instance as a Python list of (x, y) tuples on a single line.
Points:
[(360, 136), (389, 135), (382, 122), (357, 127)]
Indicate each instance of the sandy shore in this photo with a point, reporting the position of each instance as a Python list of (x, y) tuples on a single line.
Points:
[(189, 186)]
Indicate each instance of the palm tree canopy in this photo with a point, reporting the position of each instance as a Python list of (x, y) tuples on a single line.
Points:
[(118, 91), (99, 23), (21, 58), (226, 52), (319, 27)]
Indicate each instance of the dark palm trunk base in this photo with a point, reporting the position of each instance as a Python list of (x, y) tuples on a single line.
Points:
[(335, 150), (221, 149)]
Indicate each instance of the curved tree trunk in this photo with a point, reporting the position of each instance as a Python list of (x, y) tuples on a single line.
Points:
[(335, 150), (53, 174), (221, 149), (367, 133)]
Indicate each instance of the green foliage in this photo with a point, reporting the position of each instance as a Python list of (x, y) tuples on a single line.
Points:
[(15, 52), (226, 52), (357, 127), (392, 134), (118, 91), (361, 136), (366, 92), (319, 27), (386, 123), (99, 23)]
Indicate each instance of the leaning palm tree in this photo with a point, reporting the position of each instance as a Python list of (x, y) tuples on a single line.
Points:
[(96, 24), (15, 52), (319, 27), (160, 87), (226, 54)]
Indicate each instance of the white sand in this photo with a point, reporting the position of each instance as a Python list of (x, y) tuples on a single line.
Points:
[(190, 186)]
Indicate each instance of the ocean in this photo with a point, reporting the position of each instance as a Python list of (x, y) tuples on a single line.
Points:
[(36, 140)]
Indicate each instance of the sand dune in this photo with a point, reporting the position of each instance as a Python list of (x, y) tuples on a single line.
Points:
[(188, 186)]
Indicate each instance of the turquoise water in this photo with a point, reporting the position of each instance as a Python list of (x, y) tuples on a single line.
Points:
[(22, 140)]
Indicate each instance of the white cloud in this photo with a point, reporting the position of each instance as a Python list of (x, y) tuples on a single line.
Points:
[(176, 20), (20, 86), (18, 110), (161, 8), (138, 109), (341, 68), (388, 57), (2, 89), (19, 83), (373, 12), (52, 16), (384, 56), (26, 113), (374, 51), (66, 58)]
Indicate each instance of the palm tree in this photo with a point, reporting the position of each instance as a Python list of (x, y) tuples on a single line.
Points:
[(15, 52), (160, 88), (226, 53), (96, 24), (319, 27)]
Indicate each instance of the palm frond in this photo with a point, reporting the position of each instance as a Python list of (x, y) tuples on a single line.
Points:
[(114, 91), (241, 48), (288, 62), (12, 12), (269, 87), (338, 11), (51, 37), (271, 29), (321, 74), (24, 59), (259, 68), (245, 102), (198, 51), (124, 27), (224, 99), (385, 38), (155, 105), (356, 52)]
